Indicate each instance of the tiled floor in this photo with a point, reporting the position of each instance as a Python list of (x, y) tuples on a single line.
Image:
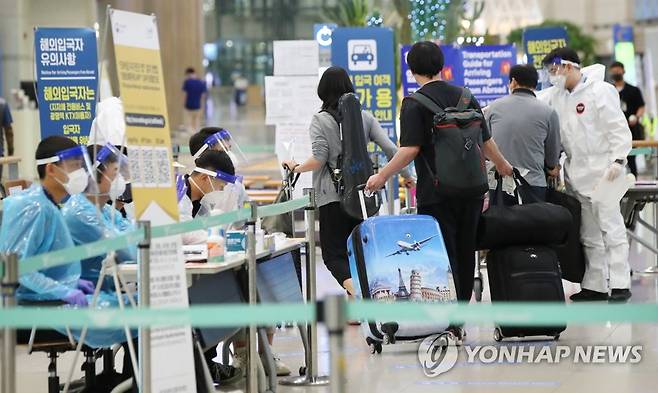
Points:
[(397, 369)]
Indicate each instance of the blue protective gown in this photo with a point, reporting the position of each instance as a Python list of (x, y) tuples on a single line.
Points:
[(32, 224), (88, 225)]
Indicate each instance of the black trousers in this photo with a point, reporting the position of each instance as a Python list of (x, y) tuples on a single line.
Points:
[(458, 219), (335, 227)]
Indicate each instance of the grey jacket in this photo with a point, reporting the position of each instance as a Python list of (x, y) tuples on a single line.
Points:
[(527, 131), (325, 140)]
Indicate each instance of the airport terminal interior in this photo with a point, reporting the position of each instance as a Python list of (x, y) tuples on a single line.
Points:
[(248, 58)]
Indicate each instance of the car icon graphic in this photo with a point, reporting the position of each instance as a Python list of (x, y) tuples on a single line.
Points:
[(362, 53)]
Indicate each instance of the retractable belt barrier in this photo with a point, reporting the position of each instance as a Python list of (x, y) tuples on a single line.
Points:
[(65, 256), (234, 315)]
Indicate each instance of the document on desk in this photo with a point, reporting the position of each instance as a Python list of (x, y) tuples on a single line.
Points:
[(610, 192)]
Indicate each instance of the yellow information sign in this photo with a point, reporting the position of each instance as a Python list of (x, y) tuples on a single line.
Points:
[(139, 70)]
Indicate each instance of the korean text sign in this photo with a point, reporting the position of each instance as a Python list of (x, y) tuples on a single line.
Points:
[(67, 79), (368, 57), (539, 42)]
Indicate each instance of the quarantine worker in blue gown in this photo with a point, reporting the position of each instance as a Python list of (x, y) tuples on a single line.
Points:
[(32, 224), (90, 218)]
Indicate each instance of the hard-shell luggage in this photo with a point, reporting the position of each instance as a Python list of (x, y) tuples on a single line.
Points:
[(400, 259), (525, 274)]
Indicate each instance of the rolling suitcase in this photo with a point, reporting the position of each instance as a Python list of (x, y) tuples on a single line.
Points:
[(570, 254), (400, 259), (525, 274)]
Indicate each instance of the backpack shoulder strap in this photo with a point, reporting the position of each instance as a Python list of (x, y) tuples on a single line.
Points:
[(427, 102), (464, 100), (333, 114)]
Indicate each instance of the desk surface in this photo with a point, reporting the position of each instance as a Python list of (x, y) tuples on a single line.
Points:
[(229, 262)]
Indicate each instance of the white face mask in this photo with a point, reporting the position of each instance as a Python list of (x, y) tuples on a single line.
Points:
[(218, 202), (118, 187), (77, 182), (559, 81)]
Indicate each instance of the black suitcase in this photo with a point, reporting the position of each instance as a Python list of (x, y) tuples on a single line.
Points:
[(570, 254), (525, 274)]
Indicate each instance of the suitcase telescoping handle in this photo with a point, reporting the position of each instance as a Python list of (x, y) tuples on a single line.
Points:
[(363, 195)]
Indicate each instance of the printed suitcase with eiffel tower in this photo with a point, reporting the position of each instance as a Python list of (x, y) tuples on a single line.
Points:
[(400, 259)]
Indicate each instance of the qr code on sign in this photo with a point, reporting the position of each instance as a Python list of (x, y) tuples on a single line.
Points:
[(135, 171), (163, 165), (149, 167)]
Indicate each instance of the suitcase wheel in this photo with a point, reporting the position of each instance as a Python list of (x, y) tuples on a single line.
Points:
[(477, 289), (498, 335), (376, 348)]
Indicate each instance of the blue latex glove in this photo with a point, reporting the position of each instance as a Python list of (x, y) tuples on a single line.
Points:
[(76, 297), (86, 286)]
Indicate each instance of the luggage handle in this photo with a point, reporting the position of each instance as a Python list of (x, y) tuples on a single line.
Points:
[(362, 199)]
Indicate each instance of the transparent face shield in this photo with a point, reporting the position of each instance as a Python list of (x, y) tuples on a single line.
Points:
[(113, 165), (223, 141), (75, 172), (225, 194), (553, 73)]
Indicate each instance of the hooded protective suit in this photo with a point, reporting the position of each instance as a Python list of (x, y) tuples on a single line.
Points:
[(109, 125), (594, 134), (87, 224)]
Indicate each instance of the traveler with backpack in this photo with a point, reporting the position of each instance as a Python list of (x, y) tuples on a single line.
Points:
[(335, 223), (449, 148)]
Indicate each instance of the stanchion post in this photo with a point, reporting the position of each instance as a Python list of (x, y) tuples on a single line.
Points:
[(333, 313), (252, 353), (311, 290), (311, 377), (9, 286), (144, 302)]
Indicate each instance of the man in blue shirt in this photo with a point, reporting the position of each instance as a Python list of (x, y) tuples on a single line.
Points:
[(195, 91), (5, 124)]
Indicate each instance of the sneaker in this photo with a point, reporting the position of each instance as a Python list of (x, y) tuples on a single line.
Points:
[(225, 375), (587, 295), (458, 333), (282, 370), (619, 295)]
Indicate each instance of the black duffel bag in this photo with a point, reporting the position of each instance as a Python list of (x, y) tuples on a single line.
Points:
[(570, 254), (538, 223)]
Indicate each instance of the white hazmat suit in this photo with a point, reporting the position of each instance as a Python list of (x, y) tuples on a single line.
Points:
[(594, 134)]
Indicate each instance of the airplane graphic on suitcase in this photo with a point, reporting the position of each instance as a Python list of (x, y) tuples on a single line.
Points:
[(400, 259)]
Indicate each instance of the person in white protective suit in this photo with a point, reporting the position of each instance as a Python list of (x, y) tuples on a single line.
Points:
[(596, 139)]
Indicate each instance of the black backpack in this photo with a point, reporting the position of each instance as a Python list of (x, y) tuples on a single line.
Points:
[(353, 166), (457, 140)]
